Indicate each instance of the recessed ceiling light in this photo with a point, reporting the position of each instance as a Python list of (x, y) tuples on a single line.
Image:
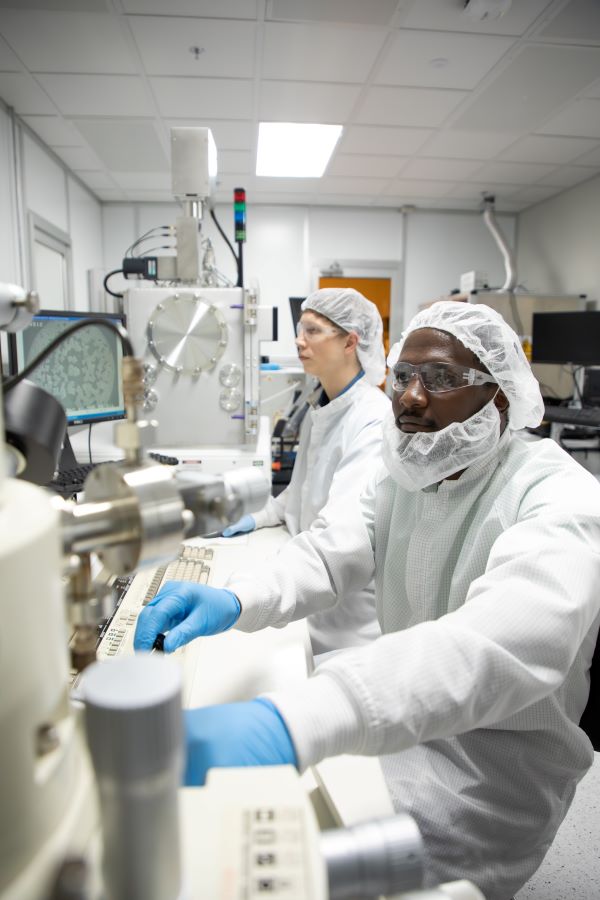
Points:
[(293, 150)]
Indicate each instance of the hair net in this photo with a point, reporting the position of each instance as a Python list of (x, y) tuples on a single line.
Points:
[(353, 312), (483, 331)]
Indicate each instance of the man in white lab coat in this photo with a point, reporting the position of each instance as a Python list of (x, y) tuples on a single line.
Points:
[(486, 555), (340, 342)]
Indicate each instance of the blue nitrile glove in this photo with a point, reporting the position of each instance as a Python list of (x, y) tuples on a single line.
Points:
[(186, 611), (235, 734), (242, 526)]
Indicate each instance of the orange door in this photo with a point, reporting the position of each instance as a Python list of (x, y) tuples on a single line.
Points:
[(377, 290)]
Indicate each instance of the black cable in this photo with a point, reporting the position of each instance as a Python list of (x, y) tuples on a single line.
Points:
[(106, 287), (225, 238), (90, 443), (240, 281), (9, 384)]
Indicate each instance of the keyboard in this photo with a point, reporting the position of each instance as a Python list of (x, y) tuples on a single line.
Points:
[(587, 417), (133, 592), (226, 667), (71, 481)]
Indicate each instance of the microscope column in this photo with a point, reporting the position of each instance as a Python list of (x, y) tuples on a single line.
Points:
[(134, 726)]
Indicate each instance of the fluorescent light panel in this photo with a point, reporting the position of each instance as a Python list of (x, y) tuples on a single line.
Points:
[(293, 150)]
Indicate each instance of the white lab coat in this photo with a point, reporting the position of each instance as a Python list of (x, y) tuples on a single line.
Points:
[(488, 594), (339, 447)]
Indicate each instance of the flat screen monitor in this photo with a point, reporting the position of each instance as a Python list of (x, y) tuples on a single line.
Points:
[(295, 304), (84, 372), (566, 337)]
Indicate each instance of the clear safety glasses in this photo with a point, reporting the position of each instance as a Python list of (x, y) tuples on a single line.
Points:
[(310, 332), (437, 378)]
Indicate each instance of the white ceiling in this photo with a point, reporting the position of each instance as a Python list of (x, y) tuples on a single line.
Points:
[(436, 106)]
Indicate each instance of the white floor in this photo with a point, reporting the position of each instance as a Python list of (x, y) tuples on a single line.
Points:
[(571, 869)]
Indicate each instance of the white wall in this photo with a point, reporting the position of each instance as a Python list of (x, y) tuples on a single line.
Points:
[(52, 193), (559, 243), (440, 246), (9, 262), (286, 247), (85, 231)]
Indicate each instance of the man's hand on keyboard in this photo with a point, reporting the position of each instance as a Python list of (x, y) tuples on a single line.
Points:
[(185, 610), (235, 734)]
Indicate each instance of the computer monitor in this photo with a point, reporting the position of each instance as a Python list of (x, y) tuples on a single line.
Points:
[(295, 309), (566, 337), (84, 372)]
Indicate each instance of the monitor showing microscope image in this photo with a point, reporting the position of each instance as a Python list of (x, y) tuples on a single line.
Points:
[(84, 372)]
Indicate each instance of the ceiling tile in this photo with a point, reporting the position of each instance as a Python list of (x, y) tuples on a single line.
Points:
[(336, 54), (56, 5), (366, 166), (109, 195), (98, 95), (552, 76), (440, 169), (513, 173), (236, 161), (376, 12), (96, 180), (54, 131), (291, 185), (386, 141), (408, 188), (9, 61), (475, 191), (438, 59), (579, 118), (541, 149), (533, 194), (287, 101), (590, 159), (66, 41), (165, 45), (228, 135), (144, 196), (407, 106), (457, 144), (203, 97), (593, 90), (579, 20), (439, 14), (23, 93), (218, 9), (568, 176), (150, 181), (125, 146), (78, 157), (331, 185)]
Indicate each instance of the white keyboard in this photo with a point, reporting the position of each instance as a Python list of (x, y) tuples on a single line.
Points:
[(227, 667), (193, 564)]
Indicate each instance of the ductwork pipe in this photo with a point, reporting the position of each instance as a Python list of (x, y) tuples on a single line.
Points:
[(489, 217)]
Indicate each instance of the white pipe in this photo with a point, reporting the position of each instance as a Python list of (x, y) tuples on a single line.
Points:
[(489, 218)]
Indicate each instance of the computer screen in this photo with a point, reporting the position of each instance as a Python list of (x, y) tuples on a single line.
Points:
[(295, 304), (84, 372), (566, 337)]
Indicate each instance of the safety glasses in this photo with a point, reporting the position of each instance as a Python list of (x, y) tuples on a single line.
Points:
[(310, 332), (437, 378)]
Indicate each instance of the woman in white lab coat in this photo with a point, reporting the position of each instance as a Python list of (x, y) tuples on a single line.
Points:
[(339, 340)]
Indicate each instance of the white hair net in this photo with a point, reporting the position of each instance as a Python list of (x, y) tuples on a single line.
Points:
[(483, 331), (351, 311)]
